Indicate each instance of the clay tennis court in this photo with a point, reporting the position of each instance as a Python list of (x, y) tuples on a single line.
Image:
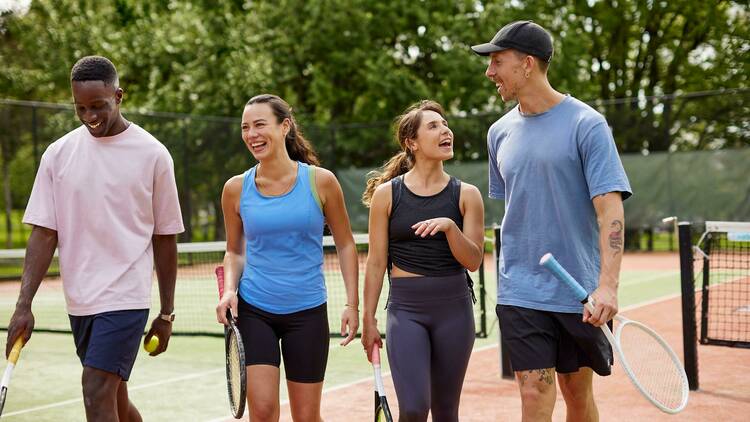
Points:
[(724, 392)]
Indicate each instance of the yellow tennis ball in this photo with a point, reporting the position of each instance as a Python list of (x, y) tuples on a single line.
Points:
[(152, 344)]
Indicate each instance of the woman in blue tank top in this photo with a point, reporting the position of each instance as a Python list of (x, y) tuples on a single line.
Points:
[(274, 215), (426, 229)]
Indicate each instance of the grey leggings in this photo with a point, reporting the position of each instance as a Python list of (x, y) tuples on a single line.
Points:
[(429, 338)]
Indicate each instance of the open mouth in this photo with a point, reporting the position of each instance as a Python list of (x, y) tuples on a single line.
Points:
[(446, 143), (94, 125), (258, 146)]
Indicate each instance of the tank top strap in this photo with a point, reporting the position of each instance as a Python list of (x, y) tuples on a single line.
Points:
[(455, 188), (397, 189)]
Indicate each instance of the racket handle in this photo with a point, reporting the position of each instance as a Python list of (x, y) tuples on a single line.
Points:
[(220, 280), (549, 262), (375, 354), (15, 352)]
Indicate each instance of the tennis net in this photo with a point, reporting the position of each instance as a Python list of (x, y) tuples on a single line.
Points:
[(723, 301), (196, 295)]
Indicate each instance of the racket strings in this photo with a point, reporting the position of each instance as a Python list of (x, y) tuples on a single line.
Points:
[(652, 365), (235, 374)]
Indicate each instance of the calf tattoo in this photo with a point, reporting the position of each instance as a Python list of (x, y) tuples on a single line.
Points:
[(615, 237)]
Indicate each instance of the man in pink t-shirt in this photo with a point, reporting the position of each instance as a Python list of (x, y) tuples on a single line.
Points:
[(105, 197)]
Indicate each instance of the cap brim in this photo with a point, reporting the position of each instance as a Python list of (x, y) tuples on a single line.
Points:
[(486, 48)]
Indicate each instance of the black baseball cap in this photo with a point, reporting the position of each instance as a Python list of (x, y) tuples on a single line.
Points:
[(524, 36)]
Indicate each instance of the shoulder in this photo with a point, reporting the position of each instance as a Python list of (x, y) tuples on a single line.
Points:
[(233, 186), (146, 139), (584, 115), (470, 192), (382, 194), (324, 178), (501, 125)]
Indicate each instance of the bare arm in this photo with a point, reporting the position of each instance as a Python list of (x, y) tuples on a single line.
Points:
[(39, 253), (165, 261), (234, 258), (611, 219), (377, 262), (334, 209)]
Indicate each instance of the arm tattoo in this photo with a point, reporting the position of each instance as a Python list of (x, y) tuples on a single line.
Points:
[(615, 237)]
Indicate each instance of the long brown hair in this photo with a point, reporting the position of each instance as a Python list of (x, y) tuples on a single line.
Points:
[(298, 148), (406, 127)]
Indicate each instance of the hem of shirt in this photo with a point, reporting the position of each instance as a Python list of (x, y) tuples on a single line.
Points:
[(109, 307), (285, 311), (496, 196), (34, 222), (625, 190), (543, 306), (170, 230)]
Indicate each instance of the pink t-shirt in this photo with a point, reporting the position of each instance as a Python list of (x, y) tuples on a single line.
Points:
[(106, 197)]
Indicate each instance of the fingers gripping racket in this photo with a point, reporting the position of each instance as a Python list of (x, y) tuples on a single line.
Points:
[(15, 352), (652, 366), (382, 411), (235, 358)]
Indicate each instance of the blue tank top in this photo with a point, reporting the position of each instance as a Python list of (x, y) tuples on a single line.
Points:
[(283, 270)]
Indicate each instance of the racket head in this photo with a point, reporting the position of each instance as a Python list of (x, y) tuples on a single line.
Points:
[(652, 366), (384, 414), (235, 370)]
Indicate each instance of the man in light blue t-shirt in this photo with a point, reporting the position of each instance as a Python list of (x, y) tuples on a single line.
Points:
[(553, 160)]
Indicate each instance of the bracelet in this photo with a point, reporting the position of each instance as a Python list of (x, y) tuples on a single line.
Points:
[(356, 308)]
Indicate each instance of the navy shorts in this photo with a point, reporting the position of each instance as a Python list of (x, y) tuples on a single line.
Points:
[(304, 338), (541, 339), (109, 341)]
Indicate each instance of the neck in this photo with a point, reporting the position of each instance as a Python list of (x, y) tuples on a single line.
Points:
[(277, 167), (120, 125), (427, 172), (538, 96)]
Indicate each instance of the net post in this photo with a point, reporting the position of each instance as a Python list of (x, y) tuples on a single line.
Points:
[(689, 329), (506, 371)]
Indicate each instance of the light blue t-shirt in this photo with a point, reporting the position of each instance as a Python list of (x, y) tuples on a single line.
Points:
[(283, 270), (548, 167)]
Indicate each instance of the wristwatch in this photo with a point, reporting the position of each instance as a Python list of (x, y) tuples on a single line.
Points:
[(167, 317)]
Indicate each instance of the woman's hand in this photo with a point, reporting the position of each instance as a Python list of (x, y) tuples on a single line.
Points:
[(227, 301), (370, 336), (349, 324), (434, 225)]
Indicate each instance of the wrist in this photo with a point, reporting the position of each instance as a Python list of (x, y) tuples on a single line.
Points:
[(353, 306)]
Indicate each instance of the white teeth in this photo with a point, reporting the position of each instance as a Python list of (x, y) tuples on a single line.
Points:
[(94, 125), (257, 144)]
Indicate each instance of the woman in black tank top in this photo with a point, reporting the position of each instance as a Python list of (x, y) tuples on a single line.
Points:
[(426, 229)]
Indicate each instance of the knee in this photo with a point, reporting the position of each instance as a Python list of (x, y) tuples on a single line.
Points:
[(536, 387), (98, 391), (413, 415), (263, 411)]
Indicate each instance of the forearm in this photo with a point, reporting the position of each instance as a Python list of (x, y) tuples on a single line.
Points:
[(349, 262), (465, 250), (39, 253), (234, 263), (165, 259), (611, 220), (374, 274)]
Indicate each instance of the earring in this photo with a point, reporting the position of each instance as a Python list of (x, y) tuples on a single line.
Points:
[(527, 75)]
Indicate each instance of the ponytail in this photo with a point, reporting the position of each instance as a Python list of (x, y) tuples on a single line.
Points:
[(396, 166)]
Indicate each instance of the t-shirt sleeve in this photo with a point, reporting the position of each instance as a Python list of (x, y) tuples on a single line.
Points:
[(40, 210), (166, 203), (497, 184), (601, 163)]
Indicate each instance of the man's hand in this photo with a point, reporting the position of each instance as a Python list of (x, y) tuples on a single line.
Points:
[(605, 305)]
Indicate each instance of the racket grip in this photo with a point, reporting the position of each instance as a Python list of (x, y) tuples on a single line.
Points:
[(375, 354), (15, 352), (220, 280), (549, 262)]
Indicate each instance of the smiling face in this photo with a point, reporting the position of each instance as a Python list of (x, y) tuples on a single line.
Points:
[(434, 140), (508, 70), (98, 107), (262, 133)]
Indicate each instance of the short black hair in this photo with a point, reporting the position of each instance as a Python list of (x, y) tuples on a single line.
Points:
[(94, 68)]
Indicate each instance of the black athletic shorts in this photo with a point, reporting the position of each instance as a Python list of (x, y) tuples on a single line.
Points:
[(541, 339), (304, 338)]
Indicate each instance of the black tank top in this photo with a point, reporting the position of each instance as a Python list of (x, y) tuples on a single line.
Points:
[(431, 255)]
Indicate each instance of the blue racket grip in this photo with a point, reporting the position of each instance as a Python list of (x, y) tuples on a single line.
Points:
[(549, 262)]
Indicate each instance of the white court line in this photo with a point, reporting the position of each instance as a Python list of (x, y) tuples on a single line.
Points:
[(639, 280), (135, 388)]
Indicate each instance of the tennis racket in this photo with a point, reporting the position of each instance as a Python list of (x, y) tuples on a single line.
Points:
[(652, 366), (235, 358), (15, 352), (382, 411)]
